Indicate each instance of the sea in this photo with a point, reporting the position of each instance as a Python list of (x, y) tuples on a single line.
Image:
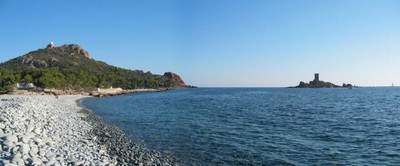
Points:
[(262, 126)]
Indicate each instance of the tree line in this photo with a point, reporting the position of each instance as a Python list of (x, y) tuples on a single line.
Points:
[(82, 80)]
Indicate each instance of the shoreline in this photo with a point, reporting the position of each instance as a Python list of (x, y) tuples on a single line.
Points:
[(119, 144), (36, 130), (98, 93)]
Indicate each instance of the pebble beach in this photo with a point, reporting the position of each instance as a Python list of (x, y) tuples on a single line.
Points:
[(44, 130)]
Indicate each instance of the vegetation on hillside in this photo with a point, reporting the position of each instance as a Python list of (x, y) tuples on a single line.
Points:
[(68, 70)]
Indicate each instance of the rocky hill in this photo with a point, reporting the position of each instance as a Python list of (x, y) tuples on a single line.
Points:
[(176, 79), (71, 67), (65, 56)]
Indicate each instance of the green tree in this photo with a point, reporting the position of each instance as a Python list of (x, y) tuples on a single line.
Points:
[(52, 78), (28, 78)]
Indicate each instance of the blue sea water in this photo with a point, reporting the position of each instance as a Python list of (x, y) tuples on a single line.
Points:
[(262, 126)]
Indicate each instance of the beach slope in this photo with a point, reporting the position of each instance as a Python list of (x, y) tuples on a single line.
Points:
[(39, 130), (44, 130)]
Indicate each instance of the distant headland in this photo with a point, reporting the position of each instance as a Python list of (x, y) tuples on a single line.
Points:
[(316, 83), (69, 69)]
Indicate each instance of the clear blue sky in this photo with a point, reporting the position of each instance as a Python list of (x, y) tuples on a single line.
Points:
[(219, 42)]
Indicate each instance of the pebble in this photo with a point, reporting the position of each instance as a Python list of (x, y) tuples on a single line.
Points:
[(37, 130), (2, 126), (9, 144), (9, 164), (16, 158), (24, 148), (11, 138), (79, 162), (24, 140), (42, 152), (37, 140), (37, 162), (49, 155)]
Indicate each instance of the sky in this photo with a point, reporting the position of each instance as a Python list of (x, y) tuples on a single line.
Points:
[(219, 43)]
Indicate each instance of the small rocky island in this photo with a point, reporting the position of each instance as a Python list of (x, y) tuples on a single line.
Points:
[(316, 83)]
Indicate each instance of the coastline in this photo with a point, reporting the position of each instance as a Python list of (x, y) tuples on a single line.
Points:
[(36, 130), (118, 144)]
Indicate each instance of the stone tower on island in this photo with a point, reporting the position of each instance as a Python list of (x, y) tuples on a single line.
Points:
[(316, 77)]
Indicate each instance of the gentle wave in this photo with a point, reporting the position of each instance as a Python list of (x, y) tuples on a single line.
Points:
[(263, 126)]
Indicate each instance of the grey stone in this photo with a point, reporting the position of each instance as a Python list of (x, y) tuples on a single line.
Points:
[(32, 152), (9, 144), (14, 150), (79, 162), (46, 139), (25, 157), (12, 138), (51, 161), (2, 126), (29, 128), (16, 158), (42, 152), (37, 140), (2, 118), (49, 154), (37, 130), (29, 160), (9, 164), (37, 161), (24, 140), (24, 148)]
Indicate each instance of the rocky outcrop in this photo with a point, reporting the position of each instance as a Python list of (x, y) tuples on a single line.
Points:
[(176, 78), (34, 63), (52, 56), (316, 84), (74, 49)]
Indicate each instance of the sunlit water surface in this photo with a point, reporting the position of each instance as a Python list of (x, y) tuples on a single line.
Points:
[(262, 126)]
